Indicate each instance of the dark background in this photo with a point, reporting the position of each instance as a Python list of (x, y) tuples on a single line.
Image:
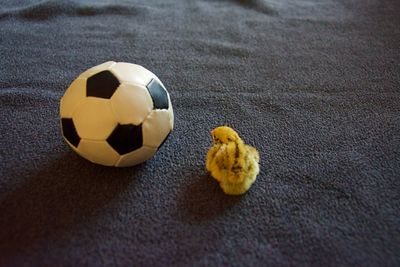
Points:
[(313, 84)]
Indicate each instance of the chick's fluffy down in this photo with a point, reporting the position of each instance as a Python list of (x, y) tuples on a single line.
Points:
[(231, 162)]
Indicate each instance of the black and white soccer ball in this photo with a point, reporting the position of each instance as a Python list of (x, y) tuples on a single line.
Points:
[(116, 114)]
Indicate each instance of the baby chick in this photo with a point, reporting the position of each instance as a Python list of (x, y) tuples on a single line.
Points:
[(231, 162)]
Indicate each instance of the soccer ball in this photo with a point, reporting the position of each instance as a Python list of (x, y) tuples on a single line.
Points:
[(116, 114)]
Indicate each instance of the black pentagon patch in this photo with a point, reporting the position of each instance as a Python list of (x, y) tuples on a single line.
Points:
[(126, 138), (102, 84), (69, 131), (158, 94), (165, 139)]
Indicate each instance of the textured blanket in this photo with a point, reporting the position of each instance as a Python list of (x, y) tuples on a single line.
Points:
[(312, 84)]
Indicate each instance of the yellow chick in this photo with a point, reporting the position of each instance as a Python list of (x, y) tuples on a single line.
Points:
[(231, 162)]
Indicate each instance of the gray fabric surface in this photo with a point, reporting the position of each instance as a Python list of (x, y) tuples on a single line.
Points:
[(314, 85)]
